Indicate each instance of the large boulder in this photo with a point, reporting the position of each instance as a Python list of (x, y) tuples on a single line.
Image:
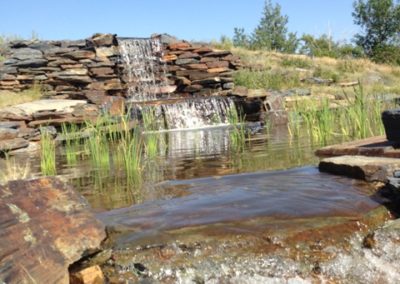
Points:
[(45, 226)]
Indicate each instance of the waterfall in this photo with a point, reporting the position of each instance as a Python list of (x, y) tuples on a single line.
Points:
[(142, 62), (198, 113)]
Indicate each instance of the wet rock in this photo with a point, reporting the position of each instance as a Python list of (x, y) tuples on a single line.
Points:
[(13, 144), (361, 167), (8, 133), (90, 275), (54, 225)]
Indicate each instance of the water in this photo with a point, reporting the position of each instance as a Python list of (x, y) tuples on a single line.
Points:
[(190, 114), (198, 113), (142, 61)]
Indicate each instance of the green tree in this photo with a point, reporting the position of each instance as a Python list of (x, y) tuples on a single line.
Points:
[(272, 32), (240, 38), (380, 21)]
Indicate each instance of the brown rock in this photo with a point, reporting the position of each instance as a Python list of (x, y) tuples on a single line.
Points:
[(217, 64), (71, 66), (231, 58), (169, 57), (183, 81), (194, 74), (8, 133), (197, 66), (186, 61), (103, 39), (208, 59), (25, 77), (90, 275), (179, 45), (9, 83), (174, 68), (102, 71), (114, 105), (202, 50), (54, 225), (96, 97), (240, 91), (218, 53), (7, 77), (80, 54), (188, 55), (361, 167), (61, 61), (104, 52), (12, 144), (217, 70)]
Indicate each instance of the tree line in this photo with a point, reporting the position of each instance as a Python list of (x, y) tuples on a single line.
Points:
[(379, 38)]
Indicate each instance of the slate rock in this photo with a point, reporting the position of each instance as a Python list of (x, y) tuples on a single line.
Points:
[(35, 62), (44, 219), (26, 53), (8, 133), (13, 144)]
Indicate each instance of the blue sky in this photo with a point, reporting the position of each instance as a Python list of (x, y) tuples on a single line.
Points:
[(186, 19)]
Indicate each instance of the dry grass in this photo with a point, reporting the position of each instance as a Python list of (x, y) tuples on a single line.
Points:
[(12, 170), (8, 98), (376, 78)]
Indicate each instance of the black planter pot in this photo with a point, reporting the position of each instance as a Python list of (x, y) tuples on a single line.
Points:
[(391, 121)]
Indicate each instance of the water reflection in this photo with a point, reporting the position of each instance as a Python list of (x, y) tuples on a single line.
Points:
[(186, 155)]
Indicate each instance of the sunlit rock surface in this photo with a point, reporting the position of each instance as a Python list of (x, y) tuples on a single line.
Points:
[(44, 227)]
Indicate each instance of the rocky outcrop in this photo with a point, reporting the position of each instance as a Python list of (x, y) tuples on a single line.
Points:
[(92, 69), (45, 226), (361, 167)]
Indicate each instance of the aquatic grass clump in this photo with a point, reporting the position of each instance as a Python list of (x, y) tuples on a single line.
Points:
[(48, 153), (150, 124), (70, 132), (360, 118), (237, 135)]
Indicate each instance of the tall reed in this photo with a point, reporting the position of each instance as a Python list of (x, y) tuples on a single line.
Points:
[(48, 153), (238, 133), (360, 118)]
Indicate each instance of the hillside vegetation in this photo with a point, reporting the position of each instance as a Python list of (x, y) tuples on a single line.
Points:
[(323, 76)]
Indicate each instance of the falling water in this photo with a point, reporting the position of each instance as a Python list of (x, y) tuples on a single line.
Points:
[(141, 60), (198, 113)]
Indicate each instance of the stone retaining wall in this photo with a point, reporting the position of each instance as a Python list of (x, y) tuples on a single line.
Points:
[(91, 69)]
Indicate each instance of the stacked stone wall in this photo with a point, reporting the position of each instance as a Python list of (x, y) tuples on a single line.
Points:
[(91, 69)]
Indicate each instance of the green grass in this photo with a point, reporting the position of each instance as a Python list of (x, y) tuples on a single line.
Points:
[(48, 153), (237, 135), (266, 79), (360, 118)]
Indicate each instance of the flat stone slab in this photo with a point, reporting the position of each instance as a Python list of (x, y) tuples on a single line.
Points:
[(13, 144), (44, 227), (375, 146), (361, 167), (28, 109)]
